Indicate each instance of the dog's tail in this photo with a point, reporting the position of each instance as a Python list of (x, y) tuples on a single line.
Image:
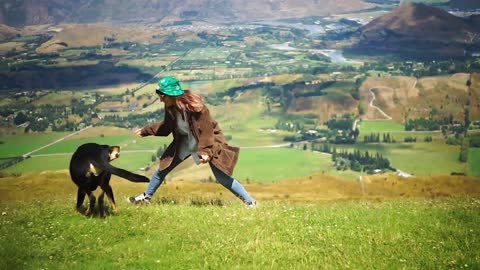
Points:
[(133, 177)]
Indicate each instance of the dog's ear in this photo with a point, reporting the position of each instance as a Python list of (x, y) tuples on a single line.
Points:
[(114, 152)]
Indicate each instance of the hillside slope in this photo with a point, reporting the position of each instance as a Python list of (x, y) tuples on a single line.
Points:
[(315, 188), (25, 12), (7, 32), (418, 28), (401, 96)]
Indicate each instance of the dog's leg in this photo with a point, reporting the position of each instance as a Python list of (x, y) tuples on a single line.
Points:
[(91, 204), (109, 192), (80, 198), (101, 204)]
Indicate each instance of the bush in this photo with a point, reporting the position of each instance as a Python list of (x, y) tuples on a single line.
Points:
[(453, 141)]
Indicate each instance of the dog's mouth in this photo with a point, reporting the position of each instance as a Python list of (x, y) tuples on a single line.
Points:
[(114, 156)]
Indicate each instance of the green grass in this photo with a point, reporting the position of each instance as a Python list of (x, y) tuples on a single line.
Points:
[(211, 53), (36, 164), (406, 234), (268, 165), (473, 162), (69, 146), (366, 127), (58, 155), (128, 161), (435, 158), (17, 145)]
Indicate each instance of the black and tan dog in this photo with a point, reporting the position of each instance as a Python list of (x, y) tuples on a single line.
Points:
[(90, 167)]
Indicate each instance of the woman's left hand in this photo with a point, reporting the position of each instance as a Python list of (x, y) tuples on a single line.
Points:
[(204, 158)]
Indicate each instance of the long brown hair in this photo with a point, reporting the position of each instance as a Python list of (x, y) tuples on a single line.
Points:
[(189, 101)]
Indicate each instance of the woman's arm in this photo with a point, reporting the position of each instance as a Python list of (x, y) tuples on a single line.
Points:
[(163, 128)]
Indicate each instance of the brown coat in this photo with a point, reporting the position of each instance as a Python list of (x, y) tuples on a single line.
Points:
[(209, 136)]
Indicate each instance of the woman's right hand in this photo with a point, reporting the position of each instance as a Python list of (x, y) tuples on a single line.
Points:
[(138, 132)]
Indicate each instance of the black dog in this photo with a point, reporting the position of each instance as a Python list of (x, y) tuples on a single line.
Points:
[(90, 167)]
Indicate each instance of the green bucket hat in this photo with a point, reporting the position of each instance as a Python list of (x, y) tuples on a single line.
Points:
[(169, 86)]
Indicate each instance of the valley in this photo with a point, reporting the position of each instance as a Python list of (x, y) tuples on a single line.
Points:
[(279, 82)]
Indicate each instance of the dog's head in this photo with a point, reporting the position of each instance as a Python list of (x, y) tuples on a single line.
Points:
[(114, 152)]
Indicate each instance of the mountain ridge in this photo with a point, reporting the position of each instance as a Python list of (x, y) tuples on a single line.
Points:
[(30, 12), (418, 27)]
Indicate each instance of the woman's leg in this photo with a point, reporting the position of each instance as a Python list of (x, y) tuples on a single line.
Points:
[(233, 185), (158, 176), (155, 181)]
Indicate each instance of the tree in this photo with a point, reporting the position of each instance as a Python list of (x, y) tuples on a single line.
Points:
[(464, 150), (20, 118), (467, 121)]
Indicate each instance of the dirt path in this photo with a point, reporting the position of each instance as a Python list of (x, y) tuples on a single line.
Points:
[(388, 117)]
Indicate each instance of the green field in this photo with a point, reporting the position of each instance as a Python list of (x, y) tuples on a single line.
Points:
[(129, 161), (69, 146), (401, 234), (211, 53), (366, 127), (17, 145), (435, 158), (474, 162), (267, 165)]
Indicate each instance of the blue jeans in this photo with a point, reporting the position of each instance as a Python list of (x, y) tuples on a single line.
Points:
[(227, 181)]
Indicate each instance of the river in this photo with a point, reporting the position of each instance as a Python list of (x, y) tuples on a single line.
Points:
[(336, 56)]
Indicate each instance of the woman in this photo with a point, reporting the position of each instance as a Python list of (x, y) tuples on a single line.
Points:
[(196, 134)]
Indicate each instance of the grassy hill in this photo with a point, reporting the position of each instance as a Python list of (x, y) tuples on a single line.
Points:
[(322, 223), (400, 96)]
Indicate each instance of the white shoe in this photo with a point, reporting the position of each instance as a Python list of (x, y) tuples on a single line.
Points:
[(251, 205), (142, 198)]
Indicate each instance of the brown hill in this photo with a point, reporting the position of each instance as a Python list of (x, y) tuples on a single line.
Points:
[(401, 97), (84, 35), (8, 32), (419, 28), (315, 188), (25, 12)]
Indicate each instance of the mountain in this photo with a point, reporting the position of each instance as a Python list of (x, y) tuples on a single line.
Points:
[(30, 12), (418, 28), (464, 4), (7, 32)]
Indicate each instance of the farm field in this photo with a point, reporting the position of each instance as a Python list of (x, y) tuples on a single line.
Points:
[(254, 164), (19, 144), (69, 146), (264, 165), (381, 231), (473, 162), (435, 158), (131, 161), (379, 126)]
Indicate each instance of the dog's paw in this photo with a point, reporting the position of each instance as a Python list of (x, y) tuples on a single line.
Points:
[(88, 212)]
